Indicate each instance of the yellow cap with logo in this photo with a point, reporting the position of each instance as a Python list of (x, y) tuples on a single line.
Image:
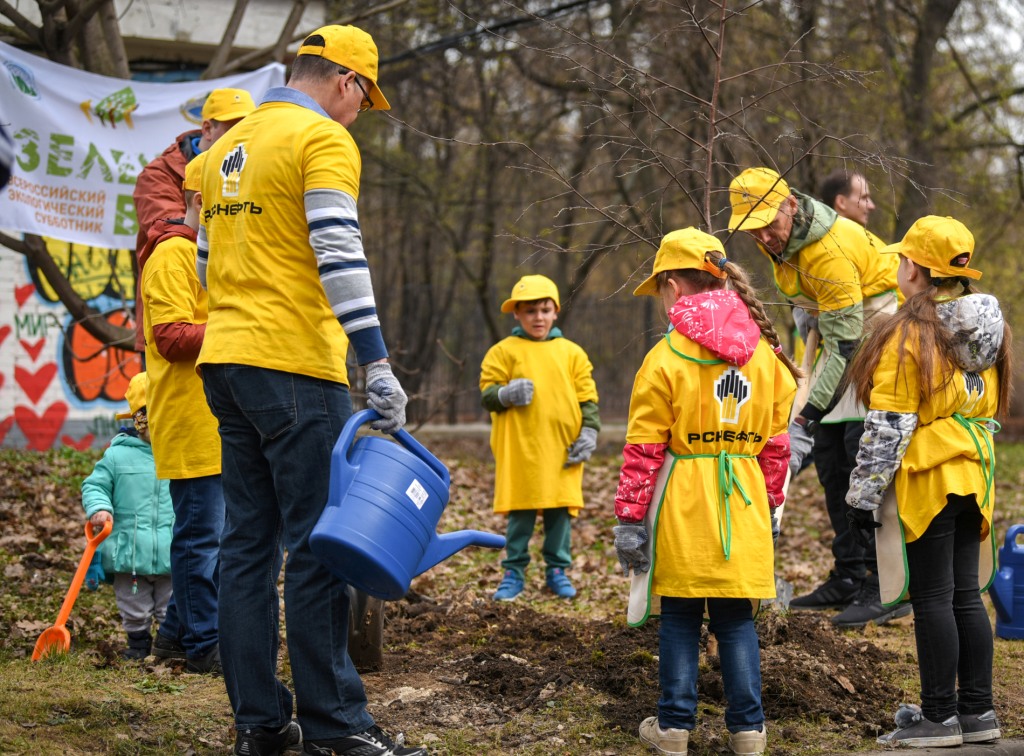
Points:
[(135, 395), (227, 105), (756, 196), (943, 245), (351, 48), (530, 289), (194, 173), (686, 249)]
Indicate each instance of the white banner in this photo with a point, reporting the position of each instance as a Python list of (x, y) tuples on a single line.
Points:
[(80, 140)]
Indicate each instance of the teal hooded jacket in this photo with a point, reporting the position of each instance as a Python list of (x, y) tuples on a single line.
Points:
[(124, 483)]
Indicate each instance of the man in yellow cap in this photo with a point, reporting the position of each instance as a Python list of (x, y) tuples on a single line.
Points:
[(824, 264), (281, 254), (158, 194)]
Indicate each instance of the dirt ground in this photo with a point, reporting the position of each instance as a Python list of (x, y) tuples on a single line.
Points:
[(454, 659)]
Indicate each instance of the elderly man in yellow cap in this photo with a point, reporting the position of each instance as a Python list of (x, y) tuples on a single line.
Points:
[(281, 254), (825, 264), (158, 194)]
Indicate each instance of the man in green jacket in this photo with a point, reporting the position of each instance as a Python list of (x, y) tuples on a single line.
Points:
[(826, 265)]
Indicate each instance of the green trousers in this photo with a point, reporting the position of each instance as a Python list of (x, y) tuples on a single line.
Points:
[(557, 532)]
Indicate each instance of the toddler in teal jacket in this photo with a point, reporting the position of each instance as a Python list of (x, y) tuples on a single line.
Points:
[(123, 487)]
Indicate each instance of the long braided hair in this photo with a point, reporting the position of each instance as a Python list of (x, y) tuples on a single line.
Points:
[(737, 278), (934, 341)]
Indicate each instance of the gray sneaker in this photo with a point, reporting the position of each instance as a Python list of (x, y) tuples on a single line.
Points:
[(914, 730), (980, 728)]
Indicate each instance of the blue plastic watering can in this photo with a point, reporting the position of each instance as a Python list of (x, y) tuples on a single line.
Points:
[(378, 530), (1007, 590)]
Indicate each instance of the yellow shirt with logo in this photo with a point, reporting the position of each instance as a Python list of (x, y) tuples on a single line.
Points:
[(186, 443), (942, 458), (530, 443), (268, 308), (842, 268), (715, 418)]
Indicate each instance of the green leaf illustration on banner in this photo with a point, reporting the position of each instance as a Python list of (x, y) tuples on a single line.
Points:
[(117, 106)]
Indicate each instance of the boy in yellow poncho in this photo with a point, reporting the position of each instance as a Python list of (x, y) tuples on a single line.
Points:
[(542, 398)]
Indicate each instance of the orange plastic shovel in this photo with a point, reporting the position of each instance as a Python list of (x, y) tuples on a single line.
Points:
[(57, 638)]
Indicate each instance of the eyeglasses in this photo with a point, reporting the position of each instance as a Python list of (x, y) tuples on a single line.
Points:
[(367, 103)]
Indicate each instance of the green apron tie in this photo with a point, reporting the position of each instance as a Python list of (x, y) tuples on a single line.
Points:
[(974, 426), (727, 481)]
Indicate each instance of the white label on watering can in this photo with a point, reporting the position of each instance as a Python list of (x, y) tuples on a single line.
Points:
[(417, 493)]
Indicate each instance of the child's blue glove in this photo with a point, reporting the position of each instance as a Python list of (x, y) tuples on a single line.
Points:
[(582, 447), (629, 537), (95, 574), (518, 392)]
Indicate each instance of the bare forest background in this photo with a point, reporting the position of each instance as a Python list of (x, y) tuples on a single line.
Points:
[(566, 138)]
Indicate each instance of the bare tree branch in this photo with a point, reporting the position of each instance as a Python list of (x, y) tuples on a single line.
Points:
[(264, 53), (220, 57), (32, 31)]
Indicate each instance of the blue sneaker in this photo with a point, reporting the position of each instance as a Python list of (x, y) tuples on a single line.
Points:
[(559, 583), (511, 586)]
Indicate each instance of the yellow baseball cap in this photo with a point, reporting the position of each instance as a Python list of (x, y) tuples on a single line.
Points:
[(685, 249), (351, 48), (530, 289), (227, 105), (756, 196), (135, 395), (194, 173), (943, 245)]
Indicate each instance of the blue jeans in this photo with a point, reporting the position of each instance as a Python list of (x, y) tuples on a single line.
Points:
[(953, 631), (195, 554), (732, 622), (277, 433)]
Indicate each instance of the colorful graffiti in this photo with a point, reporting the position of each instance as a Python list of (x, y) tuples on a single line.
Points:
[(59, 385)]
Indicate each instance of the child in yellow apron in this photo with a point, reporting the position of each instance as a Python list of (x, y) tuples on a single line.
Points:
[(933, 377), (704, 466)]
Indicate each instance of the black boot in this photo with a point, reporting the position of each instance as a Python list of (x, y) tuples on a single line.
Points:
[(140, 644)]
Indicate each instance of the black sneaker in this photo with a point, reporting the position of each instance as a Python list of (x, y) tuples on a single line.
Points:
[(980, 728), (834, 593), (206, 665), (265, 741), (867, 607), (372, 742), (140, 644), (167, 648), (914, 730)]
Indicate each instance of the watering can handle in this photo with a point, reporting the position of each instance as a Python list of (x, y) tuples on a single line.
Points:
[(1012, 534), (403, 437)]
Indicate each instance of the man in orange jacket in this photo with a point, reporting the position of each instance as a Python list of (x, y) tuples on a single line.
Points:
[(158, 194)]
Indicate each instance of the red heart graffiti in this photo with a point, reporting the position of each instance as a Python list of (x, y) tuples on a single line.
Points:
[(41, 430), (4, 331), (35, 384), (22, 293), (5, 426), (81, 444), (33, 349)]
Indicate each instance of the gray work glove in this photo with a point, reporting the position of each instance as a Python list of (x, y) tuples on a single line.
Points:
[(776, 528), (384, 394), (518, 392), (629, 537), (801, 444), (582, 447), (805, 322)]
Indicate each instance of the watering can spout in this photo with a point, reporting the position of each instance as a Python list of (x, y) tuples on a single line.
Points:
[(443, 546)]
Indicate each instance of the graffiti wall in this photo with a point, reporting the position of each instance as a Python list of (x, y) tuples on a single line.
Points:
[(58, 385)]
